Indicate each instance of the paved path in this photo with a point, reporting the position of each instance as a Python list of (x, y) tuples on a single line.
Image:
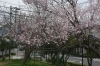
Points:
[(78, 60), (96, 62)]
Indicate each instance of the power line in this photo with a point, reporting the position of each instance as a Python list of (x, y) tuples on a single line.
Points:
[(4, 7), (20, 9), (11, 3), (5, 13)]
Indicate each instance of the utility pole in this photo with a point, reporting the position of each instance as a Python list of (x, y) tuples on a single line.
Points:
[(10, 28), (10, 16), (82, 55), (16, 11), (11, 10), (82, 46)]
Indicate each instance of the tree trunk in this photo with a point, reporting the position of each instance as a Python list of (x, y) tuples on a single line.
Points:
[(25, 58), (34, 56), (93, 50), (82, 56), (52, 59), (89, 57), (46, 55), (9, 54), (66, 58), (3, 55), (89, 61), (64, 61)]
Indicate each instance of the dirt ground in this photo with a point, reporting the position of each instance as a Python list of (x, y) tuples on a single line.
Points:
[(3, 63)]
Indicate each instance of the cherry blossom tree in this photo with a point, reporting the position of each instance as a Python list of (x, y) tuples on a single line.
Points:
[(56, 20)]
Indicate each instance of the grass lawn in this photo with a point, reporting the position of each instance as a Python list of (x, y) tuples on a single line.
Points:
[(3, 63), (18, 62)]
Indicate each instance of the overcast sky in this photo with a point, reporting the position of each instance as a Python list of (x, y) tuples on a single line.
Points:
[(19, 2)]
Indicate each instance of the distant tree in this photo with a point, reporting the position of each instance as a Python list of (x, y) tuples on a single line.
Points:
[(11, 44), (3, 47), (7, 44)]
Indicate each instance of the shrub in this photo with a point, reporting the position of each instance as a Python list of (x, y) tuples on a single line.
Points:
[(12, 53)]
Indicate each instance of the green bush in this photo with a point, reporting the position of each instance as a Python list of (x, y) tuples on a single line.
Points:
[(12, 53)]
